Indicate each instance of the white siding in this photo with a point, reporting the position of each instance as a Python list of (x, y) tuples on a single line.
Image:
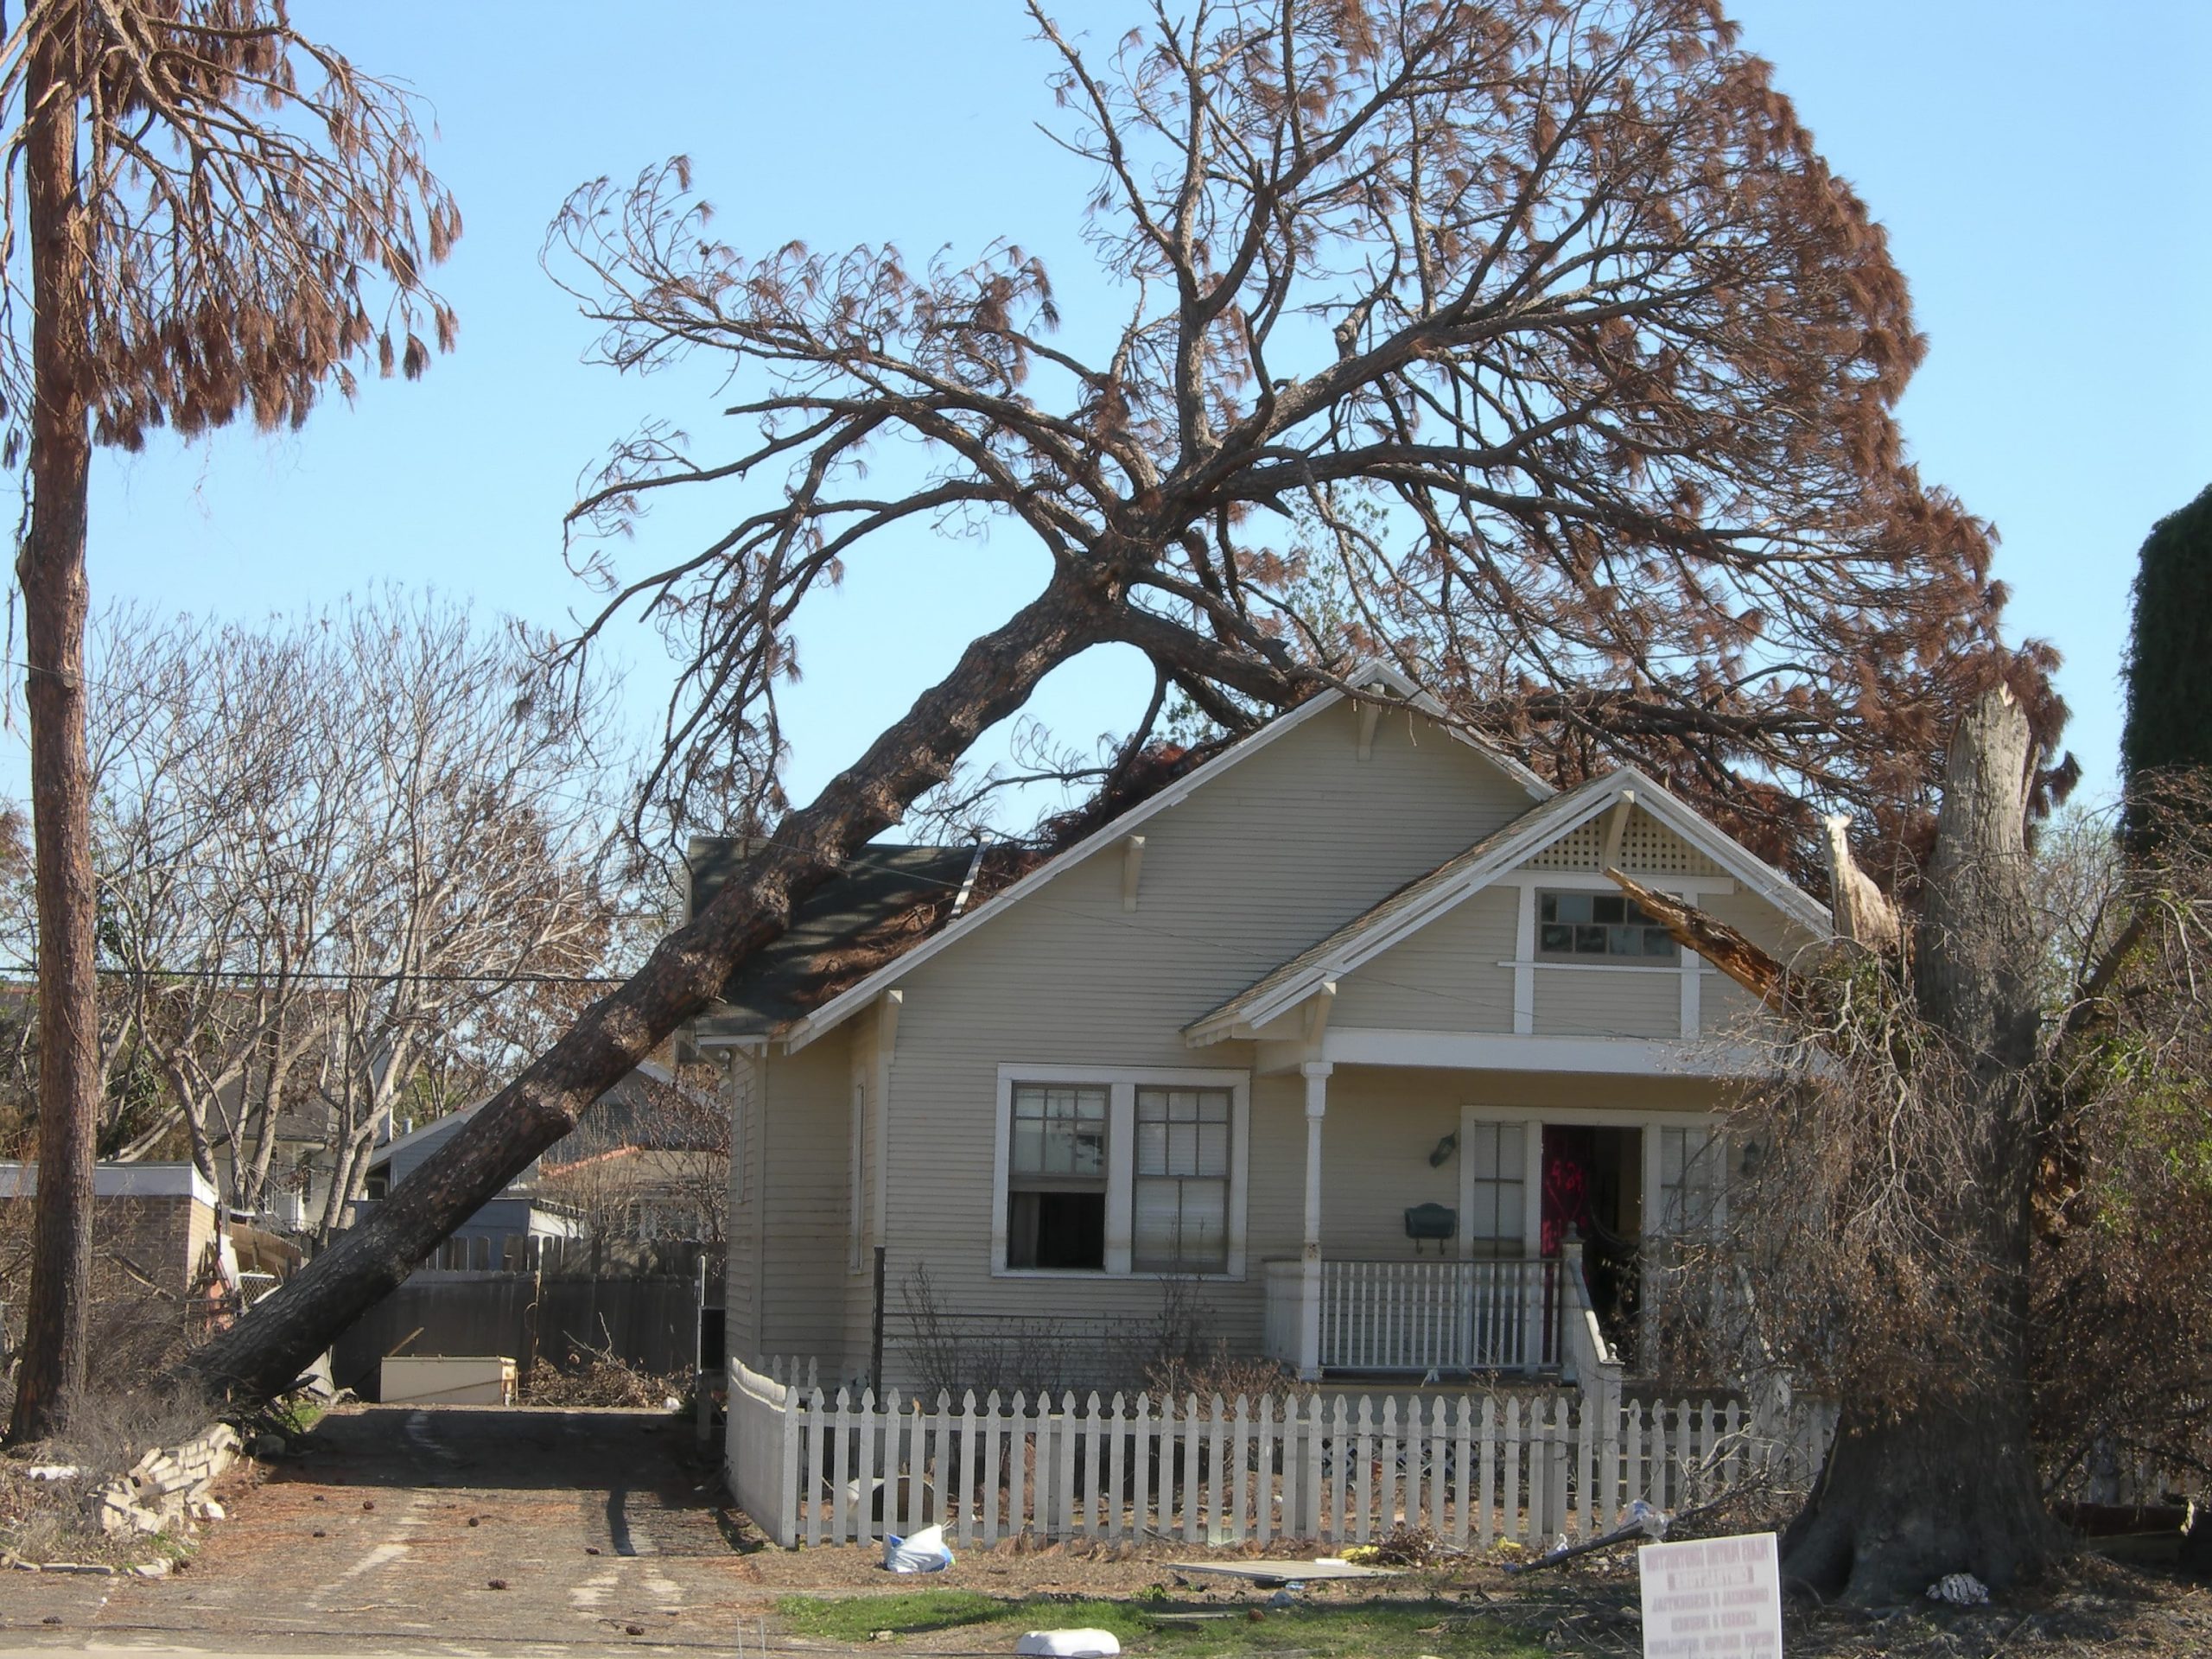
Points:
[(1447, 977)]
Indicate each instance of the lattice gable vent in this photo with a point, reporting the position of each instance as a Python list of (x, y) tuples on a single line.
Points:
[(1647, 845)]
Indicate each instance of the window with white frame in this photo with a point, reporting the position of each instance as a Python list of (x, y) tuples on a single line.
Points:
[(1056, 1177), (1495, 1154), (1691, 1173), (1121, 1170), (1182, 1181)]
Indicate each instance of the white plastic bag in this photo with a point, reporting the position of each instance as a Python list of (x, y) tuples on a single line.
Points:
[(923, 1553), (1069, 1644)]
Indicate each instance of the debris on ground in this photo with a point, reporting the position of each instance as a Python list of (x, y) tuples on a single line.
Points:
[(1960, 1590), (586, 1376)]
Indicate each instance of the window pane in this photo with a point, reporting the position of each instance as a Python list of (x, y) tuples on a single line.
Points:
[(1509, 1220), (1557, 936), (1181, 1225), (1590, 941), (1482, 1151), (1152, 1148), (1509, 1150), (1029, 1147), (1213, 1149), (1607, 907)]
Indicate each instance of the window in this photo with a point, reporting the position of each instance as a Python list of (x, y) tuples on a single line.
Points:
[(1690, 1176), (1495, 1154), (1182, 1181), (1600, 927), (1056, 1177), (1119, 1170)]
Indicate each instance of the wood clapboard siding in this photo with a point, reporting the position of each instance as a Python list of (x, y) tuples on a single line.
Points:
[(1594, 1003), (1446, 977), (803, 1276)]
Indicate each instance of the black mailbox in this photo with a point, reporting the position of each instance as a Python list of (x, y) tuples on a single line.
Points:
[(1432, 1221)]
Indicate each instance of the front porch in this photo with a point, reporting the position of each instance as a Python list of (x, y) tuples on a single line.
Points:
[(1539, 1266)]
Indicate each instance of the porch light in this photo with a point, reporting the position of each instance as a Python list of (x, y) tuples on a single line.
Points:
[(1445, 1148)]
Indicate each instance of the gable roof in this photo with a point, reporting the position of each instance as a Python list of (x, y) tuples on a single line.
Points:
[(843, 1007), (1422, 900)]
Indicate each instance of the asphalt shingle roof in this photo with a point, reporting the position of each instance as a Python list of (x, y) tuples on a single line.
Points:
[(849, 914)]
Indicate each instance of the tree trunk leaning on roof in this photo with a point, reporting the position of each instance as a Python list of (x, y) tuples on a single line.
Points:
[(1608, 379), (993, 678)]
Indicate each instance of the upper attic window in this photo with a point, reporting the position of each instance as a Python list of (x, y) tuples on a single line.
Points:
[(1600, 927)]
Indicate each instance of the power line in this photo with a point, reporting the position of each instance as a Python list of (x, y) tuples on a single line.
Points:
[(338, 975)]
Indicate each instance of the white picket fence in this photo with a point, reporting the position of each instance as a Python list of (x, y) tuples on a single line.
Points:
[(1477, 1469)]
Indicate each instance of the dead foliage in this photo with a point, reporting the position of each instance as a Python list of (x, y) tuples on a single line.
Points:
[(588, 1376)]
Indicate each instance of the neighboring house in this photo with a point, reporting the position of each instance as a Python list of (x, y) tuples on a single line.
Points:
[(1342, 1037), (639, 1167), (507, 1232)]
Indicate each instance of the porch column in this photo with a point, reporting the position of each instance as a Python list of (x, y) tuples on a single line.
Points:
[(1309, 1316)]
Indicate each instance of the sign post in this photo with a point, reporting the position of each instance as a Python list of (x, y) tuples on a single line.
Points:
[(1715, 1598)]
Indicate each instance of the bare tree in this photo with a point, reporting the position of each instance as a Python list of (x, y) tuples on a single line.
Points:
[(1535, 338), (347, 863), (197, 205)]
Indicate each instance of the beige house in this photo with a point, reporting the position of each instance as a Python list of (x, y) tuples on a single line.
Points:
[(1343, 1034)]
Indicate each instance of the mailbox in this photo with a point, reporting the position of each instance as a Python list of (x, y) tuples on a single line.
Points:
[(1436, 1221)]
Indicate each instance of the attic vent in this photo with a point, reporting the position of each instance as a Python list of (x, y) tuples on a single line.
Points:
[(1647, 846), (1577, 851)]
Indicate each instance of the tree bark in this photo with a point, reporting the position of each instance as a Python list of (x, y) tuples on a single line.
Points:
[(268, 1349), (1950, 1485), (50, 569)]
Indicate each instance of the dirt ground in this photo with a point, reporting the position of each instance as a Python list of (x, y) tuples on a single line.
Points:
[(517, 1530)]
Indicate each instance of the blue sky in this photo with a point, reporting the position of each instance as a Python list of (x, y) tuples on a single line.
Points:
[(2039, 167)]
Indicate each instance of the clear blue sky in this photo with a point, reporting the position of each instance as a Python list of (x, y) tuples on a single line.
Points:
[(2042, 167)]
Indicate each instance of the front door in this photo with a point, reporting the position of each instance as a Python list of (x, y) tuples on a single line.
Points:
[(1593, 1185)]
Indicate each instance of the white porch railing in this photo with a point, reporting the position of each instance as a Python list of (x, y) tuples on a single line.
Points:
[(1417, 1317)]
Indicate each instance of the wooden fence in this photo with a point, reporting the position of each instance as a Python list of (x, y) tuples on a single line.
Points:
[(1476, 1469), (651, 1321)]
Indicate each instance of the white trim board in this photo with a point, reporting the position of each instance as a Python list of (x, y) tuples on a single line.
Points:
[(1638, 1057), (1112, 833)]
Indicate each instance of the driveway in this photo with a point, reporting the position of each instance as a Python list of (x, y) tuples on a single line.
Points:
[(438, 1527)]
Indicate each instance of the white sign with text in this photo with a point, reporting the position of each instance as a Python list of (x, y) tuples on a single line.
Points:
[(1716, 1599)]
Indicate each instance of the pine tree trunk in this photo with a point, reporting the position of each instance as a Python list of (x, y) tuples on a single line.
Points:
[(50, 569), (268, 1349), (1939, 1487)]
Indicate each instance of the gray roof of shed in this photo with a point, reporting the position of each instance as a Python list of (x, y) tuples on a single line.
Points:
[(849, 914)]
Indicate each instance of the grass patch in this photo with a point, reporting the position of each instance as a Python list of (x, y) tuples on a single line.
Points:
[(1350, 1629)]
